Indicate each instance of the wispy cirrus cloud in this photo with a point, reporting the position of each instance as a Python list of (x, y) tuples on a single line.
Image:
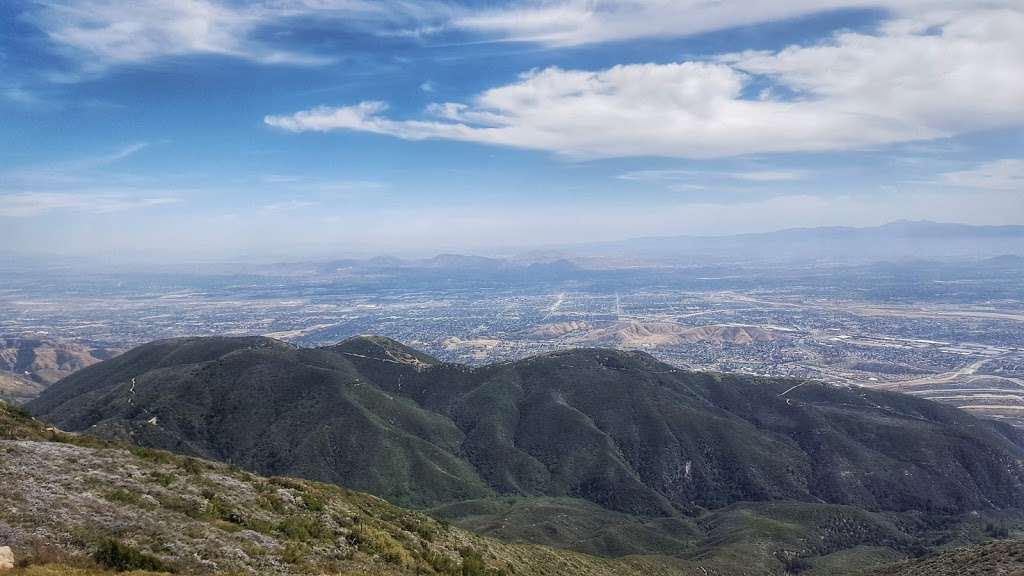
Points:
[(771, 175), (28, 204), (1005, 174), (100, 34), (79, 185), (103, 33), (684, 175), (286, 206), (931, 76), (20, 95), (558, 23), (71, 171), (109, 158), (659, 175), (311, 184)]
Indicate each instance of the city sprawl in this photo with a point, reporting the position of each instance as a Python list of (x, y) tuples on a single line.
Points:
[(950, 332)]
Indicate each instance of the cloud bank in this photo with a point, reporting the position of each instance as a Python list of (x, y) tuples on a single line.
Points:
[(936, 75)]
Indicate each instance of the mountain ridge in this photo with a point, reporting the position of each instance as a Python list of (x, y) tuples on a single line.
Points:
[(604, 452), (899, 240), (617, 428)]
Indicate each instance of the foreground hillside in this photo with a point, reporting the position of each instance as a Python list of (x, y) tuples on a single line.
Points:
[(991, 559), (76, 501), (79, 506), (601, 452)]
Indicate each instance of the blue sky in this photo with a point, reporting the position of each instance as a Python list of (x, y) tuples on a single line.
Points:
[(209, 129)]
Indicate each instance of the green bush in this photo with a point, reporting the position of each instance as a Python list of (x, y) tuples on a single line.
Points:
[(153, 455), (441, 563), (191, 465), (473, 563), (312, 503), (162, 478), (190, 508), (122, 558), (292, 483), (124, 497), (294, 553), (302, 528), (378, 542), (421, 527)]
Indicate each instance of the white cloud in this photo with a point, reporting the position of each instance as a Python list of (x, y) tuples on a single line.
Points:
[(104, 33), (942, 72), (933, 76), (1007, 174), (659, 175), (427, 86), (687, 187), (750, 176), (27, 204), (111, 32), (575, 22), (287, 206), (771, 175)]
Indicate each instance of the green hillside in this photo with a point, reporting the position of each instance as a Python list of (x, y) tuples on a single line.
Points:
[(74, 505), (602, 452)]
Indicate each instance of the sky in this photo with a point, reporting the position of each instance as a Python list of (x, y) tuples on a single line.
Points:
[(216, 129)]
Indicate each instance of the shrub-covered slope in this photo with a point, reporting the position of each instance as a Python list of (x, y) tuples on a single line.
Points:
[(76, 505), (1004, 558)]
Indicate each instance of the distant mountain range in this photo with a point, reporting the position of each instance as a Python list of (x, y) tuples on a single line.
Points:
[(606, 434), (895, 241), (899, 240)]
